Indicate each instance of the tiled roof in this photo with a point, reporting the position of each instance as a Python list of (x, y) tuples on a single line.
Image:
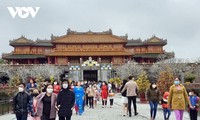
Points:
[(86, 53), (89, 38), (23, 56), (23, 41), (132, 42)]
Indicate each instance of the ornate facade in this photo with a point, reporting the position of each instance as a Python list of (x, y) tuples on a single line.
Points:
[(75, 48)]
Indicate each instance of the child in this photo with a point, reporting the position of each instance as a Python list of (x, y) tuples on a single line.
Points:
[(166, 110), (194, 100), (111, 95), (34, 94)]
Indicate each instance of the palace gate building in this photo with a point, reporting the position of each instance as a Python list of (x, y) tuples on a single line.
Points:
[(87, 55)]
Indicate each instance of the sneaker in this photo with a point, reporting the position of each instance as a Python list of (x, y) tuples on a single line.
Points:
[(136, 114)]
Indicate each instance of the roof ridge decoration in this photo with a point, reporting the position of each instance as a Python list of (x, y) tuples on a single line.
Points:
[(155, 39), (21, 39), (72, 32)]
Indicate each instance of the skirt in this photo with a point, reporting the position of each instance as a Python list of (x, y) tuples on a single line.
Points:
[(124, 100)]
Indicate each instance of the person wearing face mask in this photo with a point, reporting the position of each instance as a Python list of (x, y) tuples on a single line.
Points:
[(166, 110), (22, 103), (194, 100), (65, 102), (56, 87), (153, 96), (79, 98), (104, 94), (46, 108), (90, 92), (34, 94), (178, 98)]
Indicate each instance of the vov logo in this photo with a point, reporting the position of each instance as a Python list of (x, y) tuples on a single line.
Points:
[(23, 12)]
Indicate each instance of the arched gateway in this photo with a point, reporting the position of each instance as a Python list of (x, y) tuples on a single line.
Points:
[(90, 70)]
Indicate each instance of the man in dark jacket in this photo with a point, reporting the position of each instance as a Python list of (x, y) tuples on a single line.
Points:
[(22, 103), (65, 102)]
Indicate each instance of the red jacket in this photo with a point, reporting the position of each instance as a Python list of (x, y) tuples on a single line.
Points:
[(164, 100)]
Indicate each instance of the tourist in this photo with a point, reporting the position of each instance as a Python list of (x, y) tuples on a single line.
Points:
[(46, 82), (111, 95), (34, 95), (131, 87), (153, 97), (109, 86), (166, 110), (79, 98), (22, 103), (65, 102), (194, 100), (124, 99), (178, 98), (104, 94), (96, 95), (47, 104), (31, 84), (90, 92), (56, 87)]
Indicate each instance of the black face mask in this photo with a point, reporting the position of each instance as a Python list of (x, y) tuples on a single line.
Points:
[(34, 94)]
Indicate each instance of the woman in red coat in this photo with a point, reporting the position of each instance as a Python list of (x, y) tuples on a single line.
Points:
[(104, 94)]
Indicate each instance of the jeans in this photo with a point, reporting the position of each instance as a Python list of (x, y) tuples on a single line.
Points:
[(65, 118), (167, 113), (153, 107), (21, 116), (132, 98)]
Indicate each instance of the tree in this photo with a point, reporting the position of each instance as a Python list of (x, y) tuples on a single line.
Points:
[(130, 68), (166, 79), (189, 77), (115, 80), (143, 82)]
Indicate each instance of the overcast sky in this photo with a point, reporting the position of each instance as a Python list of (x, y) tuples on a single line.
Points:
[(178, 21)]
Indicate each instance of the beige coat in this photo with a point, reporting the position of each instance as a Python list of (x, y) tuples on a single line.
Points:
[(178, 98), (131, 87), (90, 91)]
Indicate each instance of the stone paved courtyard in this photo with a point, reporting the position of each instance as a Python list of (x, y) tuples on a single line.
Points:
[(114, 113)]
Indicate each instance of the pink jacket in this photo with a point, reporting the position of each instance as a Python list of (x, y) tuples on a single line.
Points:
[(53, 105)]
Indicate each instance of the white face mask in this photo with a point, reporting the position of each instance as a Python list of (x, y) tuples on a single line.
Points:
[(55, 83), (190, 94), (65, 86), (49, 90), (21, 89), (153, 86)]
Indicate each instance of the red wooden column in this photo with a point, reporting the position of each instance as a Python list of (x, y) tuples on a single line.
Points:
[(29, 62), (49, 61), (55, 59), (35, 61)]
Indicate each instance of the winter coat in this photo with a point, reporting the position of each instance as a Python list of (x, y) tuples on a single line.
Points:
[(40, 105), (29, 86), (178, 97), (123, 93), (131, 87), (153, 95), (65, 102), (22, 103), (164, 100), (56, 89)]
